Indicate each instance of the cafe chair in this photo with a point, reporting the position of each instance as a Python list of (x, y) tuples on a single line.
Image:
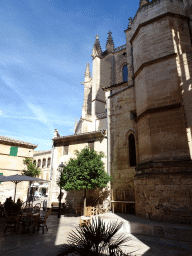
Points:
[(42, 221), (11, 222), (26, 223), (86, 219)]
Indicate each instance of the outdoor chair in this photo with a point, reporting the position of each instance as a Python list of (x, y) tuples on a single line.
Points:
[(84, 220), (39, 205), (36, 209), (79, 209), (26, 223), (42, 221), (11, 222), (102, 209)]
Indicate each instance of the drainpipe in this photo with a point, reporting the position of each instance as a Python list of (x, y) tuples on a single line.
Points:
[(52, 156)]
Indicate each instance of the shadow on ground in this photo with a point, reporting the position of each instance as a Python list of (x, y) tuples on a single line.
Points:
[(149, 245)]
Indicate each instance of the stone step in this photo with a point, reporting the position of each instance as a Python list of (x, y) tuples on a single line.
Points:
[(170, 234)]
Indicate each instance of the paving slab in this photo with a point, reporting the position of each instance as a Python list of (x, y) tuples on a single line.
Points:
[(52, 241)]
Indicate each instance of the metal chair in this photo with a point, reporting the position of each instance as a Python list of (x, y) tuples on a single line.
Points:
[(42, 221)]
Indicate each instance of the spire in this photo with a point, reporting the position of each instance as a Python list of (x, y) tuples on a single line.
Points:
[(96, 48), (143, 2), (87, 73), (76, 123), (110, 45)]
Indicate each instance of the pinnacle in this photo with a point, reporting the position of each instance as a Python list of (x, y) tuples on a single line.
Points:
[(96, 47), (110, 44), (87, 71)]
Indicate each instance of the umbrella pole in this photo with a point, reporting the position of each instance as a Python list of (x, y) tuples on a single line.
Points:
[(15, 190)]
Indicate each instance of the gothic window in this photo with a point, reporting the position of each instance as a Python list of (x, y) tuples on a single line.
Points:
[(125, 73), (132, 150)]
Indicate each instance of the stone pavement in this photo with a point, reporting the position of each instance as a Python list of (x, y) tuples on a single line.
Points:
[(49, 243)]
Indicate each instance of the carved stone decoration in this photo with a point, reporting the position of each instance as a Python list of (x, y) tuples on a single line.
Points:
[(96, 48), (87, 72), (130, 23), (143, 2), (110, 45)]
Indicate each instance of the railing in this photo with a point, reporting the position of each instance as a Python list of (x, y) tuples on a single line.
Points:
[(120, 48)]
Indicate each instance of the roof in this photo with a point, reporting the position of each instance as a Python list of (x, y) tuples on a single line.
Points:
[(41, 153), (80, 137), (7, 140), (113, 86)]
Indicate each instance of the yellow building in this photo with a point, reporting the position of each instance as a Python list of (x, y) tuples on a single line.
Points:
[(12, 154)]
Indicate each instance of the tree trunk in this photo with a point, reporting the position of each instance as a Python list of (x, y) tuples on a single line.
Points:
[(84, 201)]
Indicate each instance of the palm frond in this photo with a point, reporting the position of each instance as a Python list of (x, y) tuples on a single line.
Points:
[(96, 239)]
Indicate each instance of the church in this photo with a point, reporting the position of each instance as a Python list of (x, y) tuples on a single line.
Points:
[(138, 110)]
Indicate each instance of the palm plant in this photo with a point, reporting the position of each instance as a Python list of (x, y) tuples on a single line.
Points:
[(96, 239)]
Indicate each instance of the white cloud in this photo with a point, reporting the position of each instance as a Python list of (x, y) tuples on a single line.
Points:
[(1, 112)]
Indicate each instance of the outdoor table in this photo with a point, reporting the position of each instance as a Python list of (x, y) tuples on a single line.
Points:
[(34, 216), (123, 203)]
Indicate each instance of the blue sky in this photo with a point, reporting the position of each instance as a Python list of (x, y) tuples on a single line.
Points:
[(44, 48)]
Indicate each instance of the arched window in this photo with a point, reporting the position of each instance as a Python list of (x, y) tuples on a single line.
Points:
[(39, 163), (132, 150), (44, 162), (49, 162), (125, 73)]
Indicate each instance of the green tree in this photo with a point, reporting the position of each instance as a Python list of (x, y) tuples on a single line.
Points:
[(30, 169), (86, 171)]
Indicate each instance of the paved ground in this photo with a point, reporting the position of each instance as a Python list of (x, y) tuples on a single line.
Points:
[(49, 243)]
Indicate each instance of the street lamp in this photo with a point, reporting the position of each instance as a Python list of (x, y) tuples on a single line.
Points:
[(60, 167)]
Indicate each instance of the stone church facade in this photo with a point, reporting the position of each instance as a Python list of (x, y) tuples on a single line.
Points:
[(150, 113), (138, 109)]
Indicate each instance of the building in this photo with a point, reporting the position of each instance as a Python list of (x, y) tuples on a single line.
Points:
[(141, 95), (12, 154), (43, 161), (150, 112)]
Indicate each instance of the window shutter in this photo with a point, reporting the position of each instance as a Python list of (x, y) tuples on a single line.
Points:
[(1, 174), (13, 151)]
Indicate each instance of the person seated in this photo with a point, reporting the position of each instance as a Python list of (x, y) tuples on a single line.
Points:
[(19, 204), (9, 205)]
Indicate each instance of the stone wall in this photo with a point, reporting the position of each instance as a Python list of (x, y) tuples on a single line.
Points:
[(121, 126), (163, 169), (164, 192)]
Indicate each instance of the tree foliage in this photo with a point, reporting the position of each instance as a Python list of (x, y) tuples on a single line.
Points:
[(31, 169), (85, 171)]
